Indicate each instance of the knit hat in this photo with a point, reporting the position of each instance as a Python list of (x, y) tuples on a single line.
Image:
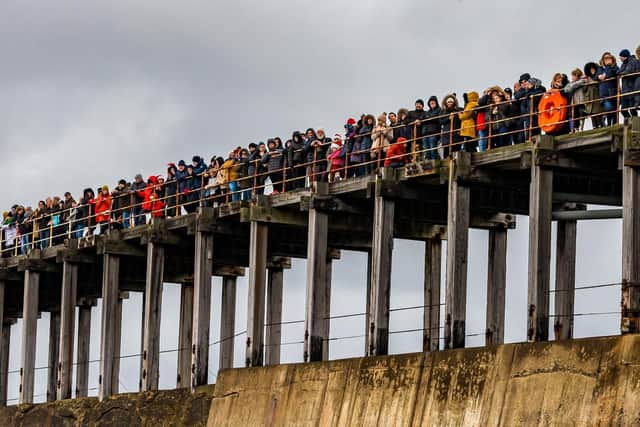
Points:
[(525, 77), (123, 182), (196, 159), (337, 136), (625, 53), (138, 176), (420, 101), (181, 163), (351, 121)]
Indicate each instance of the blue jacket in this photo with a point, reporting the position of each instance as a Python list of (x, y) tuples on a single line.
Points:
[(184, 182), (630, 66), (608, 88)]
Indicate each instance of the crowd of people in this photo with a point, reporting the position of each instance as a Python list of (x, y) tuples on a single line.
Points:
[(498, 117)]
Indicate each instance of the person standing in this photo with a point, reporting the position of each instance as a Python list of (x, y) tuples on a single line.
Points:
[(608, 87), (629, 73)]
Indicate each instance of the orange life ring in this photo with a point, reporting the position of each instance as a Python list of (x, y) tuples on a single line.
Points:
[(552, 112)]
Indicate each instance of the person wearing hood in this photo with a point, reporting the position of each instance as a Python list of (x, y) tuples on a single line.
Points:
[(137, 197), (592, 105), (382, 136), (25, 228), (335, 163), (468, 121), (316, 146), (528, 94), (153, 203), (608, 87), (450, 123), (171, 190), (121, 204), (415, 119), (629, 73), (296, 159), (103, 210), (431, 128)]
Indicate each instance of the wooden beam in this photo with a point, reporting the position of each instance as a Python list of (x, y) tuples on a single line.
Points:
[(274, 317), (457, 253), (368, 324), (256, 299), (54, 352), (29, 329), (107, 245), (5, 347), (228, 322), (432, 281), (152, 311), (201, 309), (315, 336), (109, 336), (185, 331), (496, 286), (630, 320), (327, 308), (117, 322), (540, 208), (82, 355), (67, 326), (381, 258), (565, 279)]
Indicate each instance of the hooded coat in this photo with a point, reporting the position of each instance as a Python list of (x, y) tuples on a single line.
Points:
[(382, 136), (630, 80), (152, 198), (592, 104), (450, 121), (432, 124), (467, 117)]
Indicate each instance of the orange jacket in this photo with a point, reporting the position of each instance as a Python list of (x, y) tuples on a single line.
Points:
[(395, 153), (103, 208)]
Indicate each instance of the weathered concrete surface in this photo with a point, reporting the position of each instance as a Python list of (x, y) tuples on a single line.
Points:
[(581, 382), (161, 408)]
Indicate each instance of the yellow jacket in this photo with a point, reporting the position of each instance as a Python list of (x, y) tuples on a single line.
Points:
[(467, 119)]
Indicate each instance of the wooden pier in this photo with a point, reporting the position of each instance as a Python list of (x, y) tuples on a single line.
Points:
[(427, 201)]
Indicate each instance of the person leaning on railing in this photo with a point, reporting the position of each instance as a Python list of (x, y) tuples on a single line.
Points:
[(121, 205), (396, 157), (103, 210), (592, 106), (575, 91), (629, 73), (170, 190), (382, 136), (273, 161), (468, 121), (528, 92), (431, 127), (608, 87), (296, 158), (137, 197), (450, 123)]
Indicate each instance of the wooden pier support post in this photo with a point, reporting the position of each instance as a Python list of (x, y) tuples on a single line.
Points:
[(185, 329), (315, 335), (256, 298), (367, 317), (82, 354), (67, 329), (565, 279), (5, 347), (540, 209), (496, 286), (274, 316), (630, 320), (152, 309), (29, 329), (54, 354), (432, 281), (228, 322), (110, 330), (203, 270), (457, 252), (327, 308), (381, 258)]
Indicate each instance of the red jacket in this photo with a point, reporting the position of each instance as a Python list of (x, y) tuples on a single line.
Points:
[(395, 154), (152, 198), (103, 208)]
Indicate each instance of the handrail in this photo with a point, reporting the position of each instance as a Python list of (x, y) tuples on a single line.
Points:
[(311, 167)]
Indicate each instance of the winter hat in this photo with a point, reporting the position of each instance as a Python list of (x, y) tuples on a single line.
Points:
[(351, 121), (196, 159), (335, 146), (171, 165), (138, 176), (419, 101), (508, 90), (525, 77), (337, 136), (122, 181), (624, 53), (181, 163)]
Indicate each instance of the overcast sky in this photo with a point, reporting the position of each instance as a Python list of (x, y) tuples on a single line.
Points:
[(92, 92)]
